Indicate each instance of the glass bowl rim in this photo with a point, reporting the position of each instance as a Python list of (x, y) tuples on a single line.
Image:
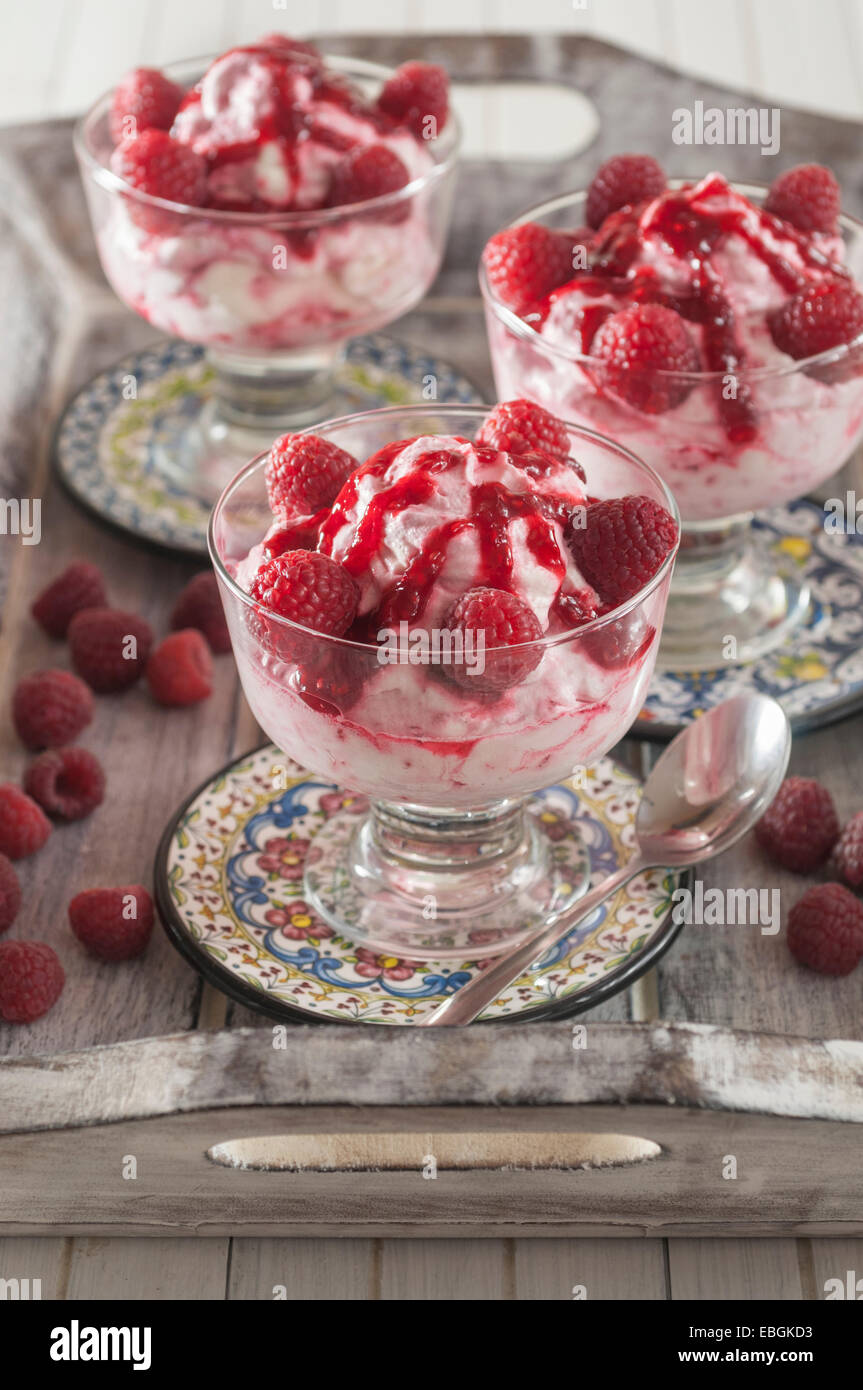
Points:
[(298, 218), (447, 407), (522, 329)]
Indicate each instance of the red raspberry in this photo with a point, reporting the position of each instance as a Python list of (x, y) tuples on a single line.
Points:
[(308, 588), (144, 99), (622, 545), (525, 263), (50, 708), (848, 854), (625, 642), (109, 647), (199, 606), (68, 784), (366, 172), (519, 427), (113, 923), (23, 826), (817, 319), (157, 165), (304, 473), (180, 670), (10, 894), (623, 180), (505, 621), (330, 680), (79, 586), (638, 344), (415, 92), (807, 196), (800, 826), (825, 929), (31, 980)]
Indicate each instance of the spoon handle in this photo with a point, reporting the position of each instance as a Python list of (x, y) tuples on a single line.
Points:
[(469, 1001)]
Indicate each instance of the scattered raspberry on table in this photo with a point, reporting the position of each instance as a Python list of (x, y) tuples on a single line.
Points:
[(31, 980), (848, 854), (51, 708), (68, 783), (825, 929), (180, 670), (10, 894), (109, 648), (800, 826), (198, 605), (24, 827), (113, 923), (81, 585)]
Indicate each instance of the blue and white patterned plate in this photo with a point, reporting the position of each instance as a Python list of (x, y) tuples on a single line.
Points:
[(817, 674), (229, 882), (105, 442)]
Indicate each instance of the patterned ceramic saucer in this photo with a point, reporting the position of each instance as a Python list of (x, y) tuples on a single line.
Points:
[(107, 438), (817, 675), (229, 881)]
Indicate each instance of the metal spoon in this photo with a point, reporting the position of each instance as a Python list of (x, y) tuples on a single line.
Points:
[(708, 788)]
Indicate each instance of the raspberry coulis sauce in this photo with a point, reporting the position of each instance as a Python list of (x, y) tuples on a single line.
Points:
[(492, 510), (693, 234)]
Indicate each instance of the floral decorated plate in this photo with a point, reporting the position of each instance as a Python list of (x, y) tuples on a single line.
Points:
[(817, 674), (108, 442), (229, 881)]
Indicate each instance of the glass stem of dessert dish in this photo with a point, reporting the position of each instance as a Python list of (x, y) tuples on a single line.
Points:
[(269, 205), (444, 611), (717, 331)]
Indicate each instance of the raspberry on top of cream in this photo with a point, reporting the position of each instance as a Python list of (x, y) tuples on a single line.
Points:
[(685, 280), (273, 128), (423, 525)]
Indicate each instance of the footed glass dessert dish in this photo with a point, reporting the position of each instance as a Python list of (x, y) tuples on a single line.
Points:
[(717, 331), (445, 612), (269, 205)]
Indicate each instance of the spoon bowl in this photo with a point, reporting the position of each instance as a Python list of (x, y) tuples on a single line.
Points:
[(713, 782), (710, 786)]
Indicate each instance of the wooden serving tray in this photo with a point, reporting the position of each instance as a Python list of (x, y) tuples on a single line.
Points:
[(716, 1054)]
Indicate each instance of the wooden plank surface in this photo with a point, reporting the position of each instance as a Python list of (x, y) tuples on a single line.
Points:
[(300, 1270), (587, 1270), (159, 1269), (712, 1271), (304, 1270)]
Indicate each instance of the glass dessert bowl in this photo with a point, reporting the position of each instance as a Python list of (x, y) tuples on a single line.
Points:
[(470, 665), (279, 211), (745, 416)]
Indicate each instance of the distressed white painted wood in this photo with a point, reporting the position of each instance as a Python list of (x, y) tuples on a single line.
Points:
[(55, 56), (510, 1064)]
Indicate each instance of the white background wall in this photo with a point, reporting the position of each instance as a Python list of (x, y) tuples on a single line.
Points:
[(57, 55)]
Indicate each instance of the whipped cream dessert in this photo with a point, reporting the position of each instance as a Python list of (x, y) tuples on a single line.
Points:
[(456, 598), (270, 129), (680, 322)]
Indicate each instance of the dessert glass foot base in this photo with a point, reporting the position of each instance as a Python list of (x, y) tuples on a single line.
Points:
[(144, 444), (253, 400), (423, 883), (732, 599)]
